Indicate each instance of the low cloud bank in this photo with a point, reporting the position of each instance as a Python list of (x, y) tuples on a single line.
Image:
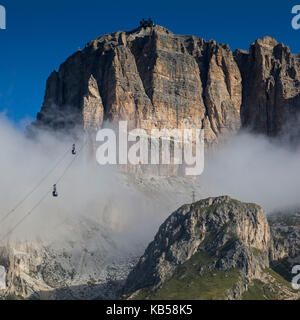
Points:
[(254, 168), (247, 167)]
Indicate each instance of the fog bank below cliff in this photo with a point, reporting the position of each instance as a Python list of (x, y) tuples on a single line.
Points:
[(248, 167), (256, 169)]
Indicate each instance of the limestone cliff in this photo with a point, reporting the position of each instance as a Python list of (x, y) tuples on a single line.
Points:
[(217, 248), (154, 78), (271, 86)]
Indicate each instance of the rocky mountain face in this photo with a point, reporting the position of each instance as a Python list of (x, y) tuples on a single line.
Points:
[(217, 248), (271, 79), (43, 271), (285, 228), (155, 79), (89, 256)]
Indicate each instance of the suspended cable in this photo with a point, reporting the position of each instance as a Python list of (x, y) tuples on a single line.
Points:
[(26, 216), (70, 164), (44, 197), (35, 188)]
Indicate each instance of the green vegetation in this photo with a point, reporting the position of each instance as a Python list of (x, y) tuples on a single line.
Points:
[(207, 209), (279, 279), (209, 238), (256, 252), (188, 282), (237, 202), (267, 291), (193, 280), (259, 291)]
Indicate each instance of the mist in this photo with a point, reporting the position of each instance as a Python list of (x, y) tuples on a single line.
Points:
[(90, 197), (121, 212), (254, 168)]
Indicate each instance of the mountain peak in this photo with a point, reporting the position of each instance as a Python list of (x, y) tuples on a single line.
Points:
[(156, 79), (220, 241)]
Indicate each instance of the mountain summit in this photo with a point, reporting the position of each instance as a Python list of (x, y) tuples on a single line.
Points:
[(154, 79), (216, 248)]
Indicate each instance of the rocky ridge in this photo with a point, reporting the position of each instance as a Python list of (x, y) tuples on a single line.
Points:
[(155, 79), (90, 257), (216, 240)]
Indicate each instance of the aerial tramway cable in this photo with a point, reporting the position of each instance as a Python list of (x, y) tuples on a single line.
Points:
[(44, 196), (26, 216), (34, 188)]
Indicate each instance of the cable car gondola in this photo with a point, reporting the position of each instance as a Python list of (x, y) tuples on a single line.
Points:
[(54, 193), (74, 149)]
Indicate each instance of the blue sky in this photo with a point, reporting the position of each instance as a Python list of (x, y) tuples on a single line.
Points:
[(40, 35)]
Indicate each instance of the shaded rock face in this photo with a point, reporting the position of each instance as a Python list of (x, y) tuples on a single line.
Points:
[(236, 235), (156, 79), (31, 270), (285, 250), (271, 86)]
